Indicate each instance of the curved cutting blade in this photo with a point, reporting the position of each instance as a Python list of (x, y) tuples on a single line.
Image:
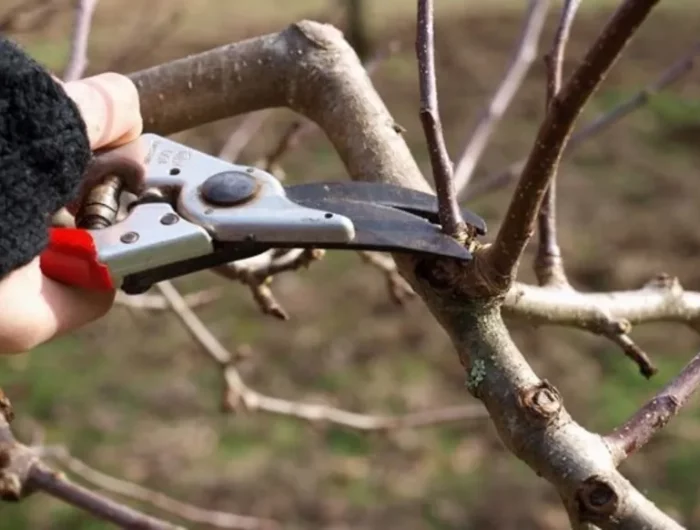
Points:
[(383, 228), (416, 202)]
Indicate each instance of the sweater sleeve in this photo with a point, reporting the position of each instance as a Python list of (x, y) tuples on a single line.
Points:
[(44, 151)]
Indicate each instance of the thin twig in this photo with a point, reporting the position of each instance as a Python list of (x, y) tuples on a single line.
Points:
[(156, 302), (257, 275), (147, 35), (10, 20), (56, 485), (525, 53), (238, 393), (448, 208), (549, 265), (157, 499), (517, 227), (243, 134), (656, 413), (675, 72), (78, 61), (399, 288), (22, 473)]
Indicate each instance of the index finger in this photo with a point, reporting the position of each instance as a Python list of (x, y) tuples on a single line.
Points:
[(109, 105)]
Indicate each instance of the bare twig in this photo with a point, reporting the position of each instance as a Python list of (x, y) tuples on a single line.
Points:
[(157, 499), (448, 208), (258, 272), (23, 473), (41, 9), (656, 413), (399, 288), (549, 266), (56, 485), (147, 35), (78, 61), (541, 166), (238, 394), (242, 135), (523, 58), (157, 302), (599, 124)]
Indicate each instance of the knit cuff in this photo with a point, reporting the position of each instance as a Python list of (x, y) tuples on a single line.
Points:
[(44, 151)]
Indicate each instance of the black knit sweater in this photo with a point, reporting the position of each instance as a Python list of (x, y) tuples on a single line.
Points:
[(44, 150)]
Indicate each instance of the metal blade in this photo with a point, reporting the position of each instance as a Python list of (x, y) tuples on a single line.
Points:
[(382, 228), (416, 202)]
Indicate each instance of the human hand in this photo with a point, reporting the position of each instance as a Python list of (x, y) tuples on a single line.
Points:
[(41, 308)]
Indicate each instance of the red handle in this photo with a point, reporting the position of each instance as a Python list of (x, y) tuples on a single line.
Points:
[(72, 258)]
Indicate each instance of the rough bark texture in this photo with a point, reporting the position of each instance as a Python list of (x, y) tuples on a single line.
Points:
[(310, 69)]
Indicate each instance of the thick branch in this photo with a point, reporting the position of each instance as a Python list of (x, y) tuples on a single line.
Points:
[(530, 418), (656, 413), (660, 300), (540, 169), (228, 81)]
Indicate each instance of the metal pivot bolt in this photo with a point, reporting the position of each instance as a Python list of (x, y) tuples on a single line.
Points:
[(229, 188)]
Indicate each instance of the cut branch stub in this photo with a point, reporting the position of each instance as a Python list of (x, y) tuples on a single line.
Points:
[(597, 500), (543, 402)]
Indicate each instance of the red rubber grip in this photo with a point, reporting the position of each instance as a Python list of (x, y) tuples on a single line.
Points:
[(71, 258)]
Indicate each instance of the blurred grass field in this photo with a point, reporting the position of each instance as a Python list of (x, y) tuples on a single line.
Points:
[(132, 395)]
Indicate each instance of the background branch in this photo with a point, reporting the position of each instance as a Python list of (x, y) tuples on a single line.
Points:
[(237, 394), (157, 499), (675, 72), (78, 61), (541, 166), (549, 266), (525, 53)]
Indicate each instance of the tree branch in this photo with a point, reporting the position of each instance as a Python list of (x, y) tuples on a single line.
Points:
[(23, 473), (257, 273), (656, 413), (525, 53), (660, 300), (325, 82), (542, 163), (448, 208), (138, 493), (549, 266), (238, 394), (675, 72), (78, 61)]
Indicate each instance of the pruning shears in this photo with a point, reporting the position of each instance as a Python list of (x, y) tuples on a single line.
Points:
[(196, 211)]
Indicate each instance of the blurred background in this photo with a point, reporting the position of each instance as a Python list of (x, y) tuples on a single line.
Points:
[(134, 397)]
